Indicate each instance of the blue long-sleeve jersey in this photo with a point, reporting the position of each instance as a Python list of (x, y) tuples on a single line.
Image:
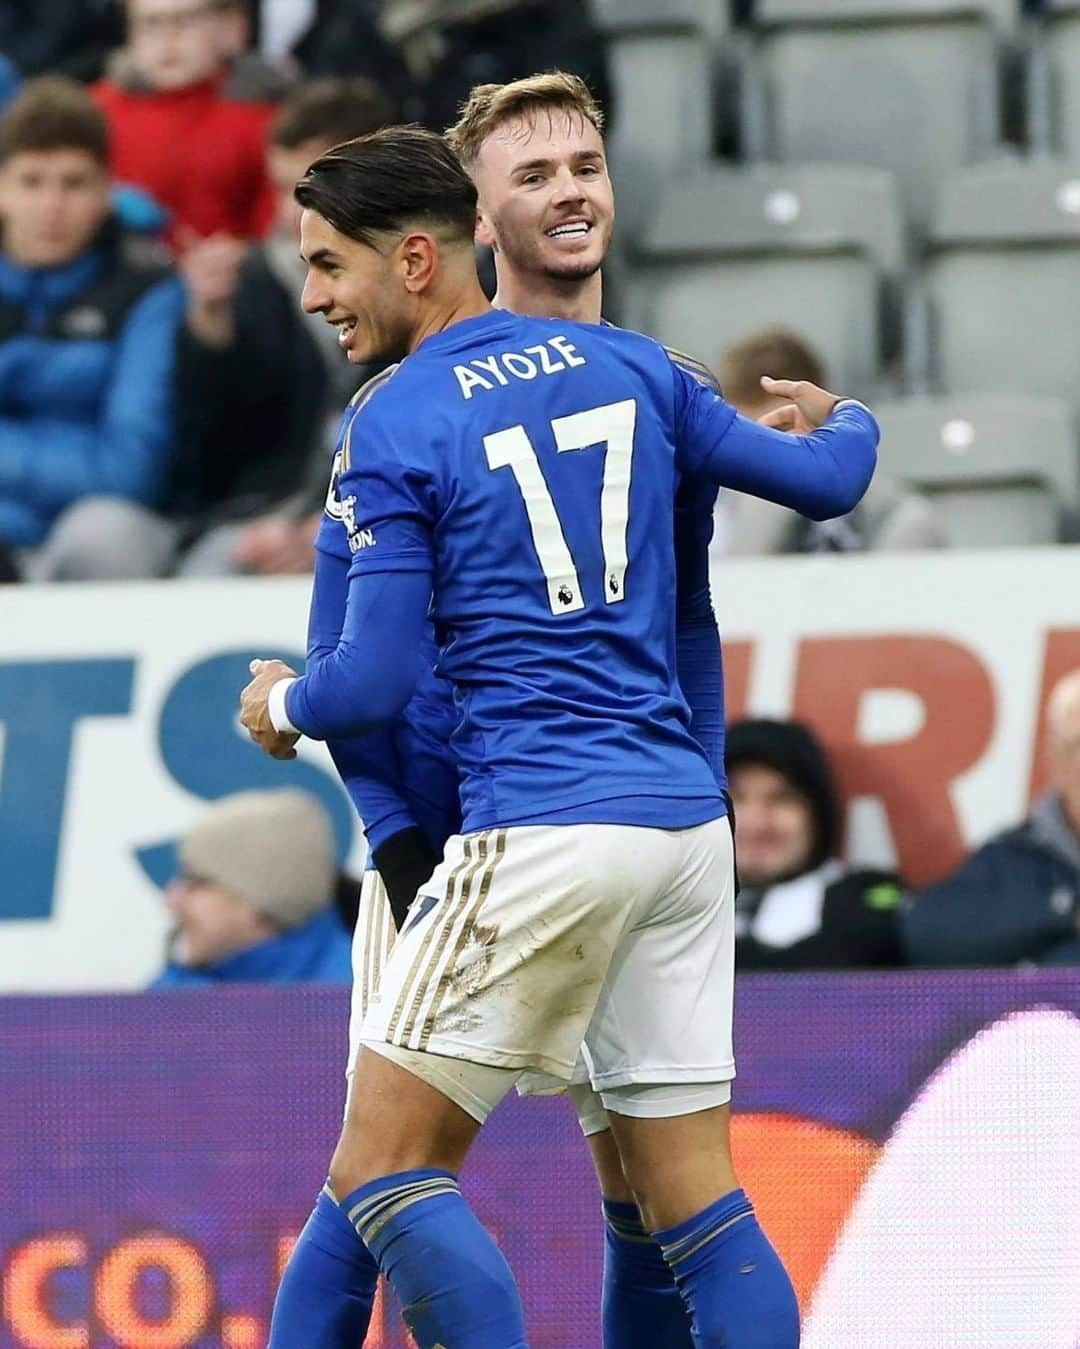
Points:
[(405, 775), (533, 507)]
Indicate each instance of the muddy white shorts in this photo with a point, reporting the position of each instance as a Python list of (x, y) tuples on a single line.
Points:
[(532, 944)]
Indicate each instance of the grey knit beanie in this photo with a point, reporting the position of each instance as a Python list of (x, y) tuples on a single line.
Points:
[(275, 849)]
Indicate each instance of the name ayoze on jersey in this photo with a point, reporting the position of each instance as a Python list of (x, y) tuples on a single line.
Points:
[(527, 364)]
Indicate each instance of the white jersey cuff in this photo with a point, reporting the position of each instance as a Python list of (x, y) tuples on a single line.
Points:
[(275, 706)]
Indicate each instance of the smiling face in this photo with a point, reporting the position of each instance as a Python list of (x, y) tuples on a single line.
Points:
[(774, 824), (358, 289), (546, 201)]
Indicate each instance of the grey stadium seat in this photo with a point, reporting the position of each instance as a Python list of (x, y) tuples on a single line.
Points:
[(730, 251), (1003, 279), (1059, 49), (662, 63), (907, 85), (999, 467)]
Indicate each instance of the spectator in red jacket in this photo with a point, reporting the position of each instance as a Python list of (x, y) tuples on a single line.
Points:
[(179, 130)]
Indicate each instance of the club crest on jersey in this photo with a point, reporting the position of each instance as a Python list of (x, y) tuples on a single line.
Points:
[(332, 505)]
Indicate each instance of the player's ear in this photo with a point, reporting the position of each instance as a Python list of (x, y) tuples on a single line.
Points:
[(419, 254), (485, 232)]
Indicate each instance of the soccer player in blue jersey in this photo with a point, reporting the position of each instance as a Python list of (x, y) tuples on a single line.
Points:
[(534, 148), (520, 476)]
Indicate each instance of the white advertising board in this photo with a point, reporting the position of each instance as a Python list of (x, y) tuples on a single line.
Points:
[(924, 674)]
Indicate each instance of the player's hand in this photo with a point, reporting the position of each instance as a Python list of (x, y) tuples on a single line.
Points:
[(255, 712), (807, 410)]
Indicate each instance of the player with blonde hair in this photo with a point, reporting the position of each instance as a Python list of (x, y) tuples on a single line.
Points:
[(535, 152)]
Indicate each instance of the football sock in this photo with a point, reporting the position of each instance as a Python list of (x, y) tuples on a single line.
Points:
[(642, 1307), (453, 1284), (734, 1284), (328, 1288)]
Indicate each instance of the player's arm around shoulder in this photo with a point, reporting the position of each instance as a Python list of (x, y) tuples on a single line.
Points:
[(815, 453)]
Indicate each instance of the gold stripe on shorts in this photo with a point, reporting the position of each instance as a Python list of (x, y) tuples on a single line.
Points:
[(435, 928), (428, 979), (473, 913)]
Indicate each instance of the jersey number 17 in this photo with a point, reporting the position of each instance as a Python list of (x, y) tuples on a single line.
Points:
[(611, 425)]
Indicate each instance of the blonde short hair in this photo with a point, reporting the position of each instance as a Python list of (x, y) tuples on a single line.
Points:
[(490, 106)]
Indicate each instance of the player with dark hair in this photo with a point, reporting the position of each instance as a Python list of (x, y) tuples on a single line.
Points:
[(595, 849)]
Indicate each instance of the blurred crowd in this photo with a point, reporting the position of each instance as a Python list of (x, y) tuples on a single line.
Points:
[(165, 407)]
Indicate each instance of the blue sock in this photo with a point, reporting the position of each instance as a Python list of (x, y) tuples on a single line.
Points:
[(328, 1288), (732, 1279), (642, 1307), (453, 1284)]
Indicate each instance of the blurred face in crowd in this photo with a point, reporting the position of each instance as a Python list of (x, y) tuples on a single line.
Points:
[(175, 43), (1064, 733), (774, 825), (357, 288), (546, 201), (52, 203), (212, 922), (286, 166)]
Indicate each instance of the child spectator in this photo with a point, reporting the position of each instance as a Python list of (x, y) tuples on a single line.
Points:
[(88, 327), (178, 130)]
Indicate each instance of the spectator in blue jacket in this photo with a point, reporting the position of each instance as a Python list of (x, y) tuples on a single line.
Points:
[(254, 897), (9, 80), (88, 324), (1017, 898)]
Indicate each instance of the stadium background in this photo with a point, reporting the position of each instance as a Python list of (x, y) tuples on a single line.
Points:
[(158, 1152)]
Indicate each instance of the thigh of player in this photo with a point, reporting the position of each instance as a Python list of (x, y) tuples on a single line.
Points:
[(507, 947), (664, 1015), (373, 940)]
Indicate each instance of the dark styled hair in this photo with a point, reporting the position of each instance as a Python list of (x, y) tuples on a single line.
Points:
[(384, 182), (332, 108), (53, 112)]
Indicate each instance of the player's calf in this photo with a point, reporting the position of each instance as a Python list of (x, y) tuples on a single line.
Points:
[(730, 1277)]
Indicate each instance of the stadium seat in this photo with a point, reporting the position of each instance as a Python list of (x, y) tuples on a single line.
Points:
[(1058, 57), (729, 251), (907, 85), (662, 63), (1003, 279), (1000, 467)]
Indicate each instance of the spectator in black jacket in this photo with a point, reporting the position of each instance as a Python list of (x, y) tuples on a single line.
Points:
[(260, 384), (798, 907), (1017, 898)]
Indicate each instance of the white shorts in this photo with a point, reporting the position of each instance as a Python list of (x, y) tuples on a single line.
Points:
[(531, 944), (373, 939)]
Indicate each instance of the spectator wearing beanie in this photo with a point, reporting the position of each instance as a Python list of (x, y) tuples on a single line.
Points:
[(253, 899), (798, 906)]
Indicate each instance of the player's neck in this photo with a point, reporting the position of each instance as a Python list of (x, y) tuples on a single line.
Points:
[(543, 297), (439, 314)]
